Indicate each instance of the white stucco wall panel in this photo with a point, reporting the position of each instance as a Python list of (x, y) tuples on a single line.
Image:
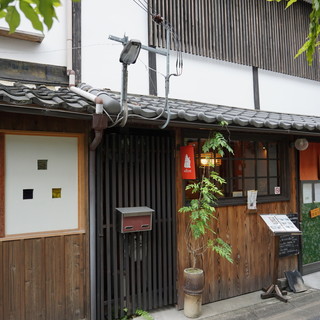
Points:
[(41, 213), (52, 50), (208, 80), (287, 94), (100, 56)]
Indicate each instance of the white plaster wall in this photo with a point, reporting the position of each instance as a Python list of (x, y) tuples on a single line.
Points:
[(208, 80), (287, 94), (51, 51), (100, 56), (42, 213)]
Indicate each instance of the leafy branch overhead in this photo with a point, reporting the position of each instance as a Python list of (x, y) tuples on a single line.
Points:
[(39, 12), (309, 47)]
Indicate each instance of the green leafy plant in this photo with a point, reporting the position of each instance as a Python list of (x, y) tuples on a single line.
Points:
[(38, 12), (144, 314), (312, 42), (202, 209), (138, 313)]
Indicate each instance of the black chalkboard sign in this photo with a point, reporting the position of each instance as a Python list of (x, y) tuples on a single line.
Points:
[(289, 245)]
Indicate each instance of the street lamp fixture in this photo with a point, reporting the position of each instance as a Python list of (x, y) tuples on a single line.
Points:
[(130, 52), (129, 55)]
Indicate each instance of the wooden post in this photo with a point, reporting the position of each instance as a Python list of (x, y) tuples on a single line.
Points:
[(273, 290), (276, 241)]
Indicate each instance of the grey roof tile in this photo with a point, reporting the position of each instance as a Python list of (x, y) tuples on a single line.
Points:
[(241, 121), (256, 122), (151, 107), (44, 97)]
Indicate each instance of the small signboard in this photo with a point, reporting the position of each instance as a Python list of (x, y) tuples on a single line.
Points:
[(280, 224), (188, 170), (284, 226), (314, 212), (289, 244)]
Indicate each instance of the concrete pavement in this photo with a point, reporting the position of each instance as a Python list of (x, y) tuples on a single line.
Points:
[(300, 306)]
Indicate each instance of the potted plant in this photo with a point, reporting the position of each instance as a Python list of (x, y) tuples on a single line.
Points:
[(200, 235)]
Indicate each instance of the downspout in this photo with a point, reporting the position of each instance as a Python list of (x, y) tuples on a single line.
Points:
[(70, 71), (99, 121), (93, 234)]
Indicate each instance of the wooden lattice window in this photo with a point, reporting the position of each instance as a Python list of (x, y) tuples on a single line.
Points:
[(256, 164)]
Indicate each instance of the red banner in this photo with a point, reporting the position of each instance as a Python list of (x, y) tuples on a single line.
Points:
[(187, 162)]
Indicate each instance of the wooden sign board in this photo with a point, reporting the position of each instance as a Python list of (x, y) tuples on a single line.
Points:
[(289, 244), (280, 224), (315, 212)]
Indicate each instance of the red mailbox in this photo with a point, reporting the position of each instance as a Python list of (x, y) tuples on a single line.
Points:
[(135, 219)]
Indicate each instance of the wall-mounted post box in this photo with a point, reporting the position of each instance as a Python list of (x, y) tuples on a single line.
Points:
[(135, 219)]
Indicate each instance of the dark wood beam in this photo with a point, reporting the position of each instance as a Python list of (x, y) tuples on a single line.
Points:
[(152, 73), (28, 72), (256, 96)]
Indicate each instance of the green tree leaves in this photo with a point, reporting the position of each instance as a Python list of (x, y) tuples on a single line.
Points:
[(289, 2), (309, 47), (12, 17), (202, 209), (39, 12), (314, 30), (30, 13), (47, 10)]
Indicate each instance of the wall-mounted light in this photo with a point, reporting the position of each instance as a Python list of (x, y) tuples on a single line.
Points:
[(130, 52), (301, 144), (208, 159)]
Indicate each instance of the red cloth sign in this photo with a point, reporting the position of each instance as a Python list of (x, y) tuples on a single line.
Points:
[(187, 162)]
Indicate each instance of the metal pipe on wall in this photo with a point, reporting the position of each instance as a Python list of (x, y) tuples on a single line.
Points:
[(92, 222)]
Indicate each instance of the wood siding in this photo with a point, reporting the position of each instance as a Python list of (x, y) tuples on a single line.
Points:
[(252, 247), (45, 277), (252, 32)]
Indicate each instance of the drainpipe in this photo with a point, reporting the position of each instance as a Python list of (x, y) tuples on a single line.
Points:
[(99, 120), (70, 71), (92, 224)]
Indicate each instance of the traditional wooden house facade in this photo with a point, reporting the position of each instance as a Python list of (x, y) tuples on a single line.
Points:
[(135, 166), (62, 252)]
